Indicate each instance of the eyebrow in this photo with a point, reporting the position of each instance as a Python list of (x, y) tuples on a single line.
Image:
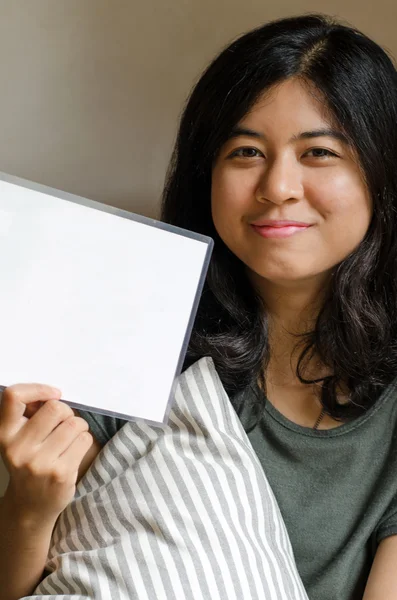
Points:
[(304, 135)]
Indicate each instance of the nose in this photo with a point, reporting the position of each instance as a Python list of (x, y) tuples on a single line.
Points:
[(281, 181)]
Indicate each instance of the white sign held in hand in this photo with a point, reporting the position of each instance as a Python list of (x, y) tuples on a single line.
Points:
[(94, 300)]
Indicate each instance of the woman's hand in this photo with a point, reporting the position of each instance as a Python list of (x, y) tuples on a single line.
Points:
[(42, 444)]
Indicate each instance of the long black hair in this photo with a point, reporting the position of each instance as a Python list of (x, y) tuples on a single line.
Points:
[(356, 330)]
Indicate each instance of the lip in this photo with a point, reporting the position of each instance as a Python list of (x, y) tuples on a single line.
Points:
[(276, 223), (279, 229)]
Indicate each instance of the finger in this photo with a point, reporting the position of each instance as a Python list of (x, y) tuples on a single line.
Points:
[(15, 399), (32, 408), (74, 454), (63, 436), (43, 423)]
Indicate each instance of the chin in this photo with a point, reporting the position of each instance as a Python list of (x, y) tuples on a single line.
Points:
[(278, 273), (288, 278)]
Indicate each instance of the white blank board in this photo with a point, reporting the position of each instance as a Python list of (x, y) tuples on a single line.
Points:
[(99, 304)]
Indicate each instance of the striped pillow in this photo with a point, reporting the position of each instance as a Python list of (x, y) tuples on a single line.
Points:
[(175, 512)]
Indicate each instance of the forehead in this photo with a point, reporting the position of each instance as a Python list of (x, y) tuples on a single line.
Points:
[(292, 104)]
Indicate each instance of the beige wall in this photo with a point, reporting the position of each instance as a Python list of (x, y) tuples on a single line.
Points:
[(91, 89)]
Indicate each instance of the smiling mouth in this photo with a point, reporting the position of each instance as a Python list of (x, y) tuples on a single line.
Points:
[(278, 232)]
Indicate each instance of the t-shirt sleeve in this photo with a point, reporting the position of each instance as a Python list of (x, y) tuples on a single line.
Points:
[(388, 524), (102, 427)]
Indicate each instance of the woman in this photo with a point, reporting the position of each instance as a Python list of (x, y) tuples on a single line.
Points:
[(286, 157)]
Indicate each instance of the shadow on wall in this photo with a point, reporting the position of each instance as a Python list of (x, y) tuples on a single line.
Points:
[(139, 204)]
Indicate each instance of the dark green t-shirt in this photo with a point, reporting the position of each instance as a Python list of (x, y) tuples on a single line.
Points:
[(337, 490)]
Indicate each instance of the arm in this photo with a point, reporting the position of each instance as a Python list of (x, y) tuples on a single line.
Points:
[(24, 542), (23, 550), (45, 455), (382, 580)]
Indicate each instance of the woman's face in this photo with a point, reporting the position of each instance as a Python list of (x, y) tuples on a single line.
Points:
[(286, 162)]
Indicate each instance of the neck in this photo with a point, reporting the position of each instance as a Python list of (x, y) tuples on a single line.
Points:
[(292, 309)]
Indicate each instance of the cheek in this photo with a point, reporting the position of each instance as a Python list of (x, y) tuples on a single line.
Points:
[(231, 197), (225, 201), (342, 199), (231, 188), (328, 192), (222, 212)]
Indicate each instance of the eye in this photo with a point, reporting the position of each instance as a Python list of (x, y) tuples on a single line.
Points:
[(246, 152), (320, 153)]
